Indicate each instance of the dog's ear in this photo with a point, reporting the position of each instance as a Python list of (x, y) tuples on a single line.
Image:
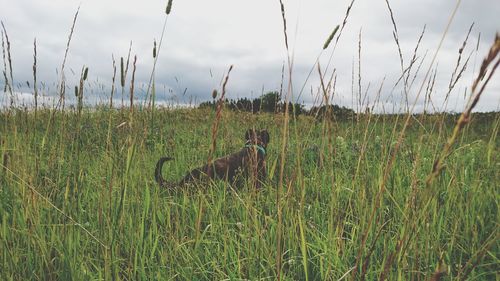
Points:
[(250, 135), (264, 136)]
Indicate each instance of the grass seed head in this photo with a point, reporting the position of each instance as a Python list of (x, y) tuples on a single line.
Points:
[(85, 73), (169, 7), (122, 72), (154, 49), (330, 37)]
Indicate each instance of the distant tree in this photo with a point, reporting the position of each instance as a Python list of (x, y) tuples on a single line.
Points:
[(207, 104), (333, 111), (269, 101), (256, 105), (293, 108), (242, 104)]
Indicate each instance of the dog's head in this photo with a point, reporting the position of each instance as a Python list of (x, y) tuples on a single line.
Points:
[(256, 137)]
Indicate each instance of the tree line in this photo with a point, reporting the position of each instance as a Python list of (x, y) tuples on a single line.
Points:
[(271, 102)]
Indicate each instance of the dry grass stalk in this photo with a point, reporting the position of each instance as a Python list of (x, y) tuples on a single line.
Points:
[(35, 89), (284, 23), (122, 77), (62, 85), (215, 127), (4, 72), (365, 138), (218, 114), (156, 54), (123, 72), (396, 39), (374, 217), (359, 74), (428, 92), (438, 166), (283, 150), (344, 22), (325, 46), (128, 59), (326, 117), (79, 91), (113, 79), (454, 76), (324, 91), (414, 59), (395, 34), (132, 82), (418, 70), (280, 95), (405, 74), (457, 74), (488, 61), (7, 58)]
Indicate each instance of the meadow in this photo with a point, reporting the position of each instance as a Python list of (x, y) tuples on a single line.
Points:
[(368, 196), (78, 198)]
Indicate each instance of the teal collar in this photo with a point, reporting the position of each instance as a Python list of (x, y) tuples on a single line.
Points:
[(258, 147)]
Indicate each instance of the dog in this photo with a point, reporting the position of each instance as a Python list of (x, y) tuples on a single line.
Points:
[(249, 162)]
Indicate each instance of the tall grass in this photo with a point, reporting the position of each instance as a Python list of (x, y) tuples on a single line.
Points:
[(397, 197), (152, 233)]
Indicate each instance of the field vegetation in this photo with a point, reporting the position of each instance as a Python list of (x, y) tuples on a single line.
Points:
[(64, 174), (350, 195)]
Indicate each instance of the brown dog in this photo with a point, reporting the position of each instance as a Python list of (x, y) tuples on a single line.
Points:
[(249, 161)]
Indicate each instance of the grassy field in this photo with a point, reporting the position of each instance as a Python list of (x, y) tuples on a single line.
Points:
[(372, 197), (78, 200)]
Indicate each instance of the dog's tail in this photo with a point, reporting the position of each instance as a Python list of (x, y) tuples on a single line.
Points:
[(158, 177)]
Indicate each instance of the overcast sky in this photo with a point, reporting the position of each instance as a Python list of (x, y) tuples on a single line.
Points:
[(203, 38)]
